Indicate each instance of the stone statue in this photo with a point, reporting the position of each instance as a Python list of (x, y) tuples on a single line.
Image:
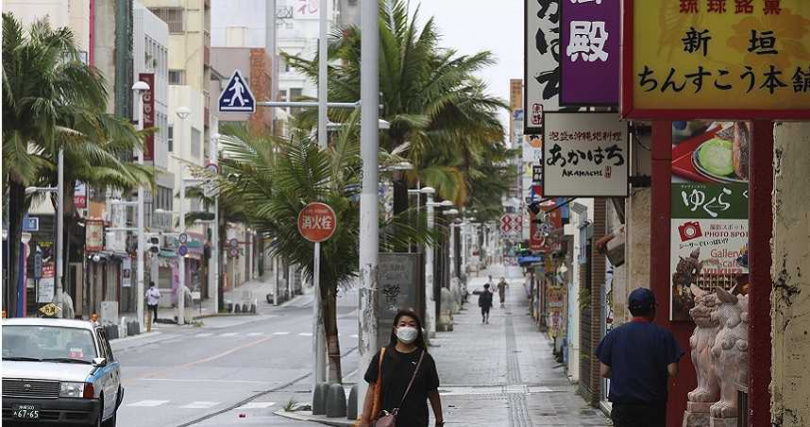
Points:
[(702, 340), (730, 352)]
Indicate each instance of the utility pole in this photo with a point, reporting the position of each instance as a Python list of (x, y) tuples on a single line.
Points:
[(139, 88), (60, 226), (182, 114), (322, 77), (369, 214), (213, 264), (430, 300)]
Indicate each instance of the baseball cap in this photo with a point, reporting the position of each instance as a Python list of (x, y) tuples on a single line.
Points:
[(641, 298)]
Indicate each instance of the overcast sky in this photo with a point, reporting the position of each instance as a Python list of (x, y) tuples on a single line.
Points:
[(473, 25)]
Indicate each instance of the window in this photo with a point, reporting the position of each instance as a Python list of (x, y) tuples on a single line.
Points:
[(177, 77), (195, 143), (170, 137), (48, 342), (172, 16)]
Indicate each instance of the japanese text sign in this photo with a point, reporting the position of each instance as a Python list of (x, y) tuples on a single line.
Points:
[(80, 195), (94, 240), (585, 155), (590, 40), (723, 59), (541, 68), (316, 222), (148, 115)]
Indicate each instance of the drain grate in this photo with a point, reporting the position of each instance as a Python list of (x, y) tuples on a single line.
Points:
[(515, 389)]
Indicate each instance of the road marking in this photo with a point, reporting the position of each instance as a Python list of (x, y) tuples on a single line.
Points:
[(200, 405), (281, 333), (255, 334), (305, 334), (207, 381), (149, 403), (229, 334), (355, 336), (223, 354), (203, 335), (257, 405)]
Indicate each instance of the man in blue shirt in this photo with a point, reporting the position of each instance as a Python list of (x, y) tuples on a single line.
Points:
[(638, 357)]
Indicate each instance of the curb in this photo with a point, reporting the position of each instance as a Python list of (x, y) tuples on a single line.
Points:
[(136, 337), (307, 416), (207, 316)]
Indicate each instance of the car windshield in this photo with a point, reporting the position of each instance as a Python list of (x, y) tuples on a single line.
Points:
[(49, 343)]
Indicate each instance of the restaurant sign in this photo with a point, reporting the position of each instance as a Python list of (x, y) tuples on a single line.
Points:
[(585, 155), (739, 59)]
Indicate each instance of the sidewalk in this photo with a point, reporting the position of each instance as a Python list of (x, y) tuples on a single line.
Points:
[(503, 373)]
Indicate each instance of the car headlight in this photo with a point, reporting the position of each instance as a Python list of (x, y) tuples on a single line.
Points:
[(72, 390)]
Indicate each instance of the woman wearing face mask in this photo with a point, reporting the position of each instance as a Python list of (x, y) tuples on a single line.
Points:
[(404, 354)]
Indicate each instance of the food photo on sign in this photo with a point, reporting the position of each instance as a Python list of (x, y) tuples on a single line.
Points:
[(709, 229)]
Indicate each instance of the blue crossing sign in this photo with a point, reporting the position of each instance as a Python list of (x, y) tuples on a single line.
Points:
[(237, 97)]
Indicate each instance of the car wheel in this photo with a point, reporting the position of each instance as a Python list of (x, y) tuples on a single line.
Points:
[(111, 421)]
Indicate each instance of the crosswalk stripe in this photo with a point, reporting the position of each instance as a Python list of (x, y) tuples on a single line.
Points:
[(255, 334), (229, 334), (257, 405), (149, 403), (203, 335), (281, 333), (305, 334), (200, 405)]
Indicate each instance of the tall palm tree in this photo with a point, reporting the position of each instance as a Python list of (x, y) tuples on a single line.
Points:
[(272, 180), (53, 101), (429, 95)]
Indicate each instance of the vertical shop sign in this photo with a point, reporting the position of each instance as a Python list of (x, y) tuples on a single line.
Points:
[(148, 115), (590, 38), (80, 195), (541, 67), (94, 241)]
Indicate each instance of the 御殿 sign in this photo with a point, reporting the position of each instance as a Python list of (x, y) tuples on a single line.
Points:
[(585, 155), (590, 41), (687, 59)]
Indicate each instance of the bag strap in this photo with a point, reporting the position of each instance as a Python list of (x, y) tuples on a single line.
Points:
[(377, 405), (415, 371)]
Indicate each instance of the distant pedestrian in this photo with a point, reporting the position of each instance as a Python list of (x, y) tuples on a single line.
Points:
[(402, 378), (502, 285), (638, 357), (485, 302), (153, 299)]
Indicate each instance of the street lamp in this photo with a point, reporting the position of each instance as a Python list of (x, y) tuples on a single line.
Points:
[(430, 299), (183, 113), (139, 88)]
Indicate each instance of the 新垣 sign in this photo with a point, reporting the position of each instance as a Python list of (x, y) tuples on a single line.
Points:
[(590, 41), (585, 155), (687, 59)]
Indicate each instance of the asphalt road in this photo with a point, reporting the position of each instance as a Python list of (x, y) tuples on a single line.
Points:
[(232, 371)]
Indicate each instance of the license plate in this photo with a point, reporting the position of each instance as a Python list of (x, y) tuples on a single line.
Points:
[(25, 412)]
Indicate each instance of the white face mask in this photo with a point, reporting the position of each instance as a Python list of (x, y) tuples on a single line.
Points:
[(407, 334)]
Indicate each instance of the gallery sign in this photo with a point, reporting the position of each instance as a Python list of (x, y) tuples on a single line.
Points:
[(590, 41), (585, 155), (692, 59)]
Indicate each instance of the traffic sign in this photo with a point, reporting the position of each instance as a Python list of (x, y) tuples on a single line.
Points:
[(317, 222), (233, 252), (237, 96), (183, 238), (233, 243), (30, 223), (182, 250)]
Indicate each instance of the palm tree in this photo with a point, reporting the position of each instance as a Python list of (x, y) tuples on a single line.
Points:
[(272, 180), (52, 102), (429, 96)]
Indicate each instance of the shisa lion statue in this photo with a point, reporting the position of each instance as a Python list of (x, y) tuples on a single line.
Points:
[(730, 353), (701, 343)]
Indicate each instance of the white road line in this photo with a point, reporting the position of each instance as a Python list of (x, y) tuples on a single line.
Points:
[(355, 336), (257, 405), (203, 335), (149, 403), (281, 333), (229, 334), (305, 334), (255, 334), (200, 405)]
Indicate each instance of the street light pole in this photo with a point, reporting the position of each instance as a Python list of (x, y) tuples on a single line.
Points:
[(369, 195), (430, 301), (322, 77), (60, 226), (139, 88), (213, 266), (182, 113)]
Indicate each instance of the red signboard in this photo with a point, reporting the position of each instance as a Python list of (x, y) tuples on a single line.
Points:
[(148, 115), (94, 230), (536, 237), (317, 222)]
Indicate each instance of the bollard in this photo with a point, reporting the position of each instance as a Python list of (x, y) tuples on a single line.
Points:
[(136, 327), (336, 401), (319, 399), (351, 410), (237, 308), (445, 323), (244, 308), (253, 308)]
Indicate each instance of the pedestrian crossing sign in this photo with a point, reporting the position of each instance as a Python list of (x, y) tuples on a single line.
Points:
[(237, 97)]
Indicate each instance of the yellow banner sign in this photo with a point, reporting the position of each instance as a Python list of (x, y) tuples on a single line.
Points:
[(716, 59)]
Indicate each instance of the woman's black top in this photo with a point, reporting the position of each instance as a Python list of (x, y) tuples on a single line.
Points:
[(397, 370)]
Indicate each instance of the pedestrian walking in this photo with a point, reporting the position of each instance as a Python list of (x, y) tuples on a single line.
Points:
[(638, 357), (402, 378), (502, 285), (153, 299), (485, 302)]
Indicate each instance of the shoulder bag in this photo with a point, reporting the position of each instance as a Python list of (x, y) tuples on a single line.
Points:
[(390, 419)]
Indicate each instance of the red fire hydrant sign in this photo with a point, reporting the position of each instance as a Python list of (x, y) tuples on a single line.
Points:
[(316, 222)]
